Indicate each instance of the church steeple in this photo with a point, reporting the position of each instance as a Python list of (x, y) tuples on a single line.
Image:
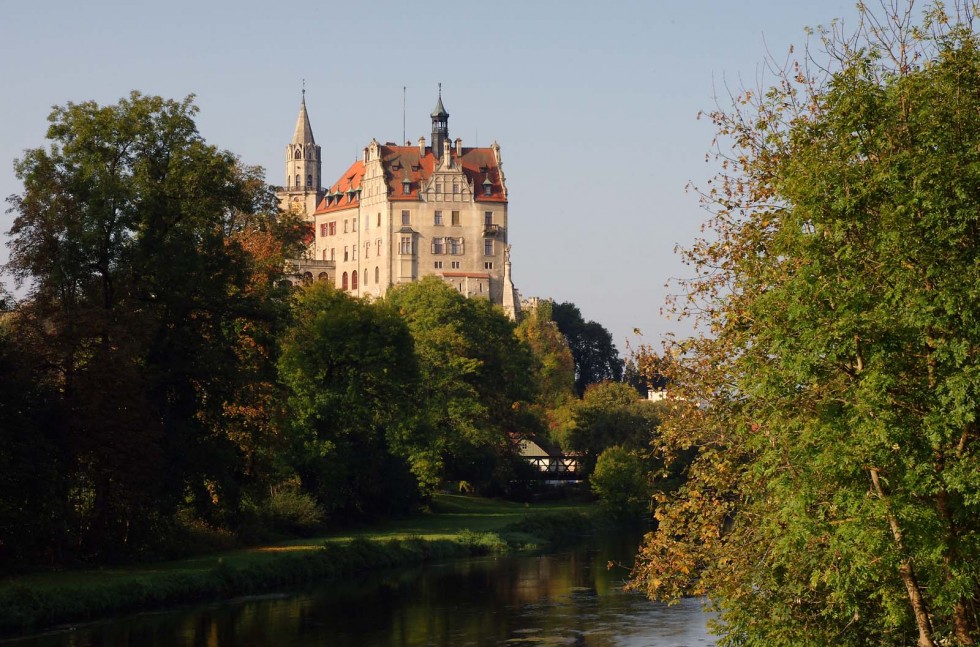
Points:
[(304, 132), (440, 126), (303, 165)]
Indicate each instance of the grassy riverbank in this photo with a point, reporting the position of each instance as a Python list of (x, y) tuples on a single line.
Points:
[(457, 526)]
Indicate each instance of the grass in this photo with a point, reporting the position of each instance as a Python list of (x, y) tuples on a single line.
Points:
[(456, 526)]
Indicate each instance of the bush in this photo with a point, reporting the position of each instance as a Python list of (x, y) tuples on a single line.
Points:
[(620, 482), (290, 509)]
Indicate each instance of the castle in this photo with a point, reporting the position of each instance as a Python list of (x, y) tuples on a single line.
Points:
[(403, 212)]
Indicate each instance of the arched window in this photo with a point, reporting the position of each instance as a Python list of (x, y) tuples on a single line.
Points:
[(322, 276), (353, 280), (298, 185), (298, 155), (307, 278), (343, 283), (377, 275), (309, 181)]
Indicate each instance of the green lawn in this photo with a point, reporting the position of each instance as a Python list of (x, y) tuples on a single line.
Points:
[(449, 515)]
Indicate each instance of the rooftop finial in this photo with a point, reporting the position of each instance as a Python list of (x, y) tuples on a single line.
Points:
[(440, 90), (304, 90)]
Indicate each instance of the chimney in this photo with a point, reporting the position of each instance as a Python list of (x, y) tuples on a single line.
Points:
[(459, 147), (421, 146)]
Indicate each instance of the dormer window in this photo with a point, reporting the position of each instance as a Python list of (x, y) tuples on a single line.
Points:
[(487, 186), (406, 186)]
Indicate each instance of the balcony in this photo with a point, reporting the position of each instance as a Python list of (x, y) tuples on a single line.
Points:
[(492, 230)]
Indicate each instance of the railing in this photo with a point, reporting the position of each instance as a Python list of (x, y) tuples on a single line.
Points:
[(555, 467), (491, 229)]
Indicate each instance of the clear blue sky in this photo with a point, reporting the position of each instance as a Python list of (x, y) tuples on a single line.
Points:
[(594, 104)]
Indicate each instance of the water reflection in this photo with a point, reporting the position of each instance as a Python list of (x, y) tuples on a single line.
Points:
[(570, 598)]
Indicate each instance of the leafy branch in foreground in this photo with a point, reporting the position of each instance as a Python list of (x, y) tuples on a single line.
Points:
[(834, 390)]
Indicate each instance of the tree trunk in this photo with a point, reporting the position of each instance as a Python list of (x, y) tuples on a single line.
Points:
[(906, 572)]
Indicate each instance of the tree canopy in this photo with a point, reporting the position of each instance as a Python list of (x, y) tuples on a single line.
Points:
[(595, 354), (833, 391), (143, 307)]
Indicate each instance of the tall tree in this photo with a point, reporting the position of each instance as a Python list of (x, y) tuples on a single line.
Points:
[(138, 292), (554, 366), (351, 372), (596, 357), (475, 379), (834, 393)]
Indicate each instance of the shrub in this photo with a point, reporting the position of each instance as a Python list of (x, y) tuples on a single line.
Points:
[(620, 482)]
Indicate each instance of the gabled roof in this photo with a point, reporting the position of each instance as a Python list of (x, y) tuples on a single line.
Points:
[(404, 162), (345, 192), (477, 164)]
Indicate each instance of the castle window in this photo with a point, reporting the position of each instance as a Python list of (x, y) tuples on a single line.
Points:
[(487, 217), (455, 219), (438, 188), (437, 219), (297, 181), (379, 247), (333, 228), (353, 280), (455, 188), (437, 246), (455, 246), (353, 226), (488, 265), (323, 229), (379, 220), (437, 265), (406, 186), (309, 181), (405, 246), (322, 276), (406, 217), (333, 253), (488, 247), (377, 274), (367, 250), (298, 155), (346, 253), (325, 255), (307, 278), (454, 265), (343, 283), (345, 225)]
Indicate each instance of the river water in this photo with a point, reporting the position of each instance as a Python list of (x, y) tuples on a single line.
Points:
[(567, 598)]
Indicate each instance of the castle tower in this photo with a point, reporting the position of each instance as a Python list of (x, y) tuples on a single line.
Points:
[(303, 188), (440, 126)]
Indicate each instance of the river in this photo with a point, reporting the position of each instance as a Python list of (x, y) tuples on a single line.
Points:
[(567, 598)]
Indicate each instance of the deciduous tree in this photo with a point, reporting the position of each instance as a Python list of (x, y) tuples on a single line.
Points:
[(833, 391)]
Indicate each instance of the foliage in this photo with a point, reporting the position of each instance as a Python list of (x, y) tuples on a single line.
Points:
[(144, 312), (595, 355), (621, 481), (351, 373), (610, 414), (834, 496), (288, 507), (476, 381)]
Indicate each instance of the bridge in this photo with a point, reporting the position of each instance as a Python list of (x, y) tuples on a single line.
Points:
[(555, 468)]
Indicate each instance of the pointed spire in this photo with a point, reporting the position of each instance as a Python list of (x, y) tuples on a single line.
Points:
[(439, 110), (304, 132)]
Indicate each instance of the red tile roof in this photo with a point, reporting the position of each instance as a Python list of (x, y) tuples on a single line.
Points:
[(349, 181), (399, 162)]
